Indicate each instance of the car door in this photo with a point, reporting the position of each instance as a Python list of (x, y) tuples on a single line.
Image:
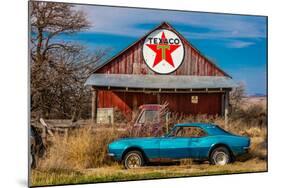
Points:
[(199, 147), (174, 146), (199, 144)]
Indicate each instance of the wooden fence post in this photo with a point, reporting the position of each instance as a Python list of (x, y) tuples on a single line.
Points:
[(135, 106), (94, 105), (226, 108)]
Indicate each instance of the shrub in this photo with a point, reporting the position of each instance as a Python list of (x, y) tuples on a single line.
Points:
[(254, 115)]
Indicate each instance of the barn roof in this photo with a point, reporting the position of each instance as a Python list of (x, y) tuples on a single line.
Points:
[(162, 25), (160, 81)]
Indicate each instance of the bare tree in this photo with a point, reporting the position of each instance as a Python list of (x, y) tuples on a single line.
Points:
[(49, 20), (58, 68), (236, 96)]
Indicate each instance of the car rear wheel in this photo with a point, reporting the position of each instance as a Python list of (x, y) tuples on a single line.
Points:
[(133, 159), (220, 156)]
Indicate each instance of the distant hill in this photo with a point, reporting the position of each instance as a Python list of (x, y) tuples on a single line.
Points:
[(259, 99), (258, 95)]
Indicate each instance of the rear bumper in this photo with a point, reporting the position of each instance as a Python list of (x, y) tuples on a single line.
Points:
[(111, 154), (238, 151)]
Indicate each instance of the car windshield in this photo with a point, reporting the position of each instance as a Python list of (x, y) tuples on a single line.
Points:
[(148, 116), (172, 133)]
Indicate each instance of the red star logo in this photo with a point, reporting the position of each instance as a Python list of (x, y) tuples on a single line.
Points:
[(163, 50)]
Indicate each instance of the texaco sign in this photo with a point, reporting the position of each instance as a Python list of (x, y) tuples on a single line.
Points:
[(163, 51)]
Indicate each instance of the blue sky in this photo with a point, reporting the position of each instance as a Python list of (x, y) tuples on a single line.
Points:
[(236, 43)]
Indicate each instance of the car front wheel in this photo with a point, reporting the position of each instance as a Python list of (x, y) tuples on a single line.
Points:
[(133, 159), (220, 156)]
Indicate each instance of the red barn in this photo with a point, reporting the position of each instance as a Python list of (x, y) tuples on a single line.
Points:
[(162, 66)]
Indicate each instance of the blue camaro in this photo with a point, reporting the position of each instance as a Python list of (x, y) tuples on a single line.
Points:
[(200, 141)]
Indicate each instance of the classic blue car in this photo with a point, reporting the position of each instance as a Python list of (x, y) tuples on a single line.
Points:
[(199, 141)]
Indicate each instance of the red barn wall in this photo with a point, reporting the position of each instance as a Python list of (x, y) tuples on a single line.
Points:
[(208, 103)]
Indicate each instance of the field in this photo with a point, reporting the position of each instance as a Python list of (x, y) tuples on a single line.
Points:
[(117, 173), (80, 157)]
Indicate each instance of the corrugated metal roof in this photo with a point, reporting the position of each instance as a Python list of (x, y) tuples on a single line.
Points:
[(160, 81)]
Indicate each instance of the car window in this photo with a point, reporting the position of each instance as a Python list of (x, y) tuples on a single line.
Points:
[(190, 132), (149, 116), (222, 130)]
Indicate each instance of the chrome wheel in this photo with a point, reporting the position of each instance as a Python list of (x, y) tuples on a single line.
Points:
[(220, 158), (133, 160)]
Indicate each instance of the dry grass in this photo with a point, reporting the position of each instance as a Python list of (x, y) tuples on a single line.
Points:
[(83, 148), (81, 157), (117, 173)]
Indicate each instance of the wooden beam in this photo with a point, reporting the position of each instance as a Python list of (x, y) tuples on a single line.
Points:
[(135, 106), (226, 107), (222, 104), (158, 98), (157, 90), (94, 105), (167, 91)]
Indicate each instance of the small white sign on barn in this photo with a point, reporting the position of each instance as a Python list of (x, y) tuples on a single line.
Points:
[(194, 99), (105, 115)]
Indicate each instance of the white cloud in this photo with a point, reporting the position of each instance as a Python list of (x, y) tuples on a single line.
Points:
[(239, 44), (123, 21)]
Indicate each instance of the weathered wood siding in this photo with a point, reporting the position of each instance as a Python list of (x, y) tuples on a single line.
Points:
[(208, 103), (131, 62)]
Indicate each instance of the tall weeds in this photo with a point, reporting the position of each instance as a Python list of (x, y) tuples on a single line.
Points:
[(83, 148), (87, 147)]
